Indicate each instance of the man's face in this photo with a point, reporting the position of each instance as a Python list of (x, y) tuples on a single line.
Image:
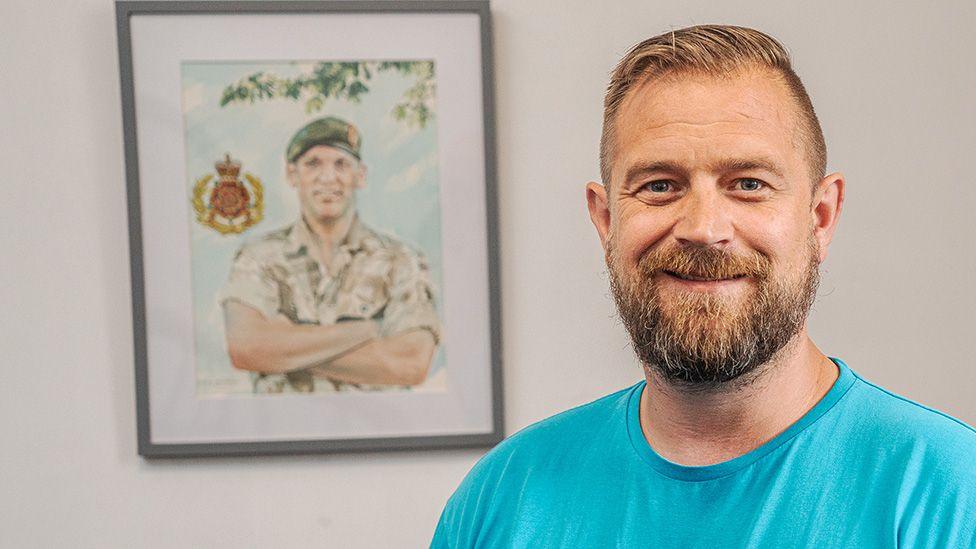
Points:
[(709, 179), (326, 179)]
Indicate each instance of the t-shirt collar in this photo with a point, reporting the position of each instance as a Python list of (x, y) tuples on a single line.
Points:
[(845, 380)]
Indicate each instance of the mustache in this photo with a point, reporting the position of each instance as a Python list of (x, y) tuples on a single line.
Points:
[(704, 262)]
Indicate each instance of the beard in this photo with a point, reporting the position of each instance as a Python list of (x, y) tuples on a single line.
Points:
[(700, 340)]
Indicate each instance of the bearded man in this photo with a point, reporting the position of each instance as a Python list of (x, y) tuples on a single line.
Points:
[(715, 213)]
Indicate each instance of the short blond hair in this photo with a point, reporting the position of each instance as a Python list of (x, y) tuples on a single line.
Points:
[(712, 50)]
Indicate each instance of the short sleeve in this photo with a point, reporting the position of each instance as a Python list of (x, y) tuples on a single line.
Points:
[(411, 305), (467, 520), (444, 535), (252, 283), (454, 528)]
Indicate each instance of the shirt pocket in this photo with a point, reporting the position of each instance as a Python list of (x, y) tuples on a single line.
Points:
[(365, 299)]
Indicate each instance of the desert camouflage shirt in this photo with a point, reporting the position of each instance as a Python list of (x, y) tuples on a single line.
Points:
[(371, 275)]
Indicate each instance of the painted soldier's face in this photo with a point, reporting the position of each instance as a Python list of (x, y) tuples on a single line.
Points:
[(326, 179)]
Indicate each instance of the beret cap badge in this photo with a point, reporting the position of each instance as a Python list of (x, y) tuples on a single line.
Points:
[(331, 131)]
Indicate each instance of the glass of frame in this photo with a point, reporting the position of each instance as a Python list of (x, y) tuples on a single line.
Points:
[(312, 225)]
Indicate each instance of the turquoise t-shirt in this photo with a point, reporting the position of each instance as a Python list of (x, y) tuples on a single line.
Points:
[(864, 468)]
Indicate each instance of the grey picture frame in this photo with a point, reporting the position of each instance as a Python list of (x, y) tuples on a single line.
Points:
[(125, 10)]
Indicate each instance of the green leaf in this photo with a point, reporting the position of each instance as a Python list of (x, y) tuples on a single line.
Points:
[(314, 104)]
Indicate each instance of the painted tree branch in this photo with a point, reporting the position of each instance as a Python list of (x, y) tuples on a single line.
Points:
[(341, 80)]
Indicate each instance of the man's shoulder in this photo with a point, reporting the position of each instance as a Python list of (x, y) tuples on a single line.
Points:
[(544, 442), (267, 244), (918, 462), (375, 240), (530, 463), (902, 414), (384, 250), (920, 434)]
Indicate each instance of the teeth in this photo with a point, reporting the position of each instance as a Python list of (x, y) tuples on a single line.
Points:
[(699, 279)]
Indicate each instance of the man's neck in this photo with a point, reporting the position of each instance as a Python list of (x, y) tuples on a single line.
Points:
[(331, 233), (708, 427)]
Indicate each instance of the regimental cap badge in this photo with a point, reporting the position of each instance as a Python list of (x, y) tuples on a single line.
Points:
[(331, 131), (228, 205)]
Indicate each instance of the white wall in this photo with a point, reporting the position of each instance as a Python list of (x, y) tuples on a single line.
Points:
[(891, 83)]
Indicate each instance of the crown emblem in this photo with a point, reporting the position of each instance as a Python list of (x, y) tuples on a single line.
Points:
[(230, 206), (228, 168)]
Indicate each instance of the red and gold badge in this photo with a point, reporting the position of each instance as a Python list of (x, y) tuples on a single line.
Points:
[(228, 205)]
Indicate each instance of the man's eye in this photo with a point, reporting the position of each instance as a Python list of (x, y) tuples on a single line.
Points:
[(749, 184), (658, 186)]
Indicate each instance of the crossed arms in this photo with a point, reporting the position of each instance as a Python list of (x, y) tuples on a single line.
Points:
[(353, 351)]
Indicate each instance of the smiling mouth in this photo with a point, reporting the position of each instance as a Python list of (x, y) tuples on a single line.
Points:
[(327, 196), (693, 278)]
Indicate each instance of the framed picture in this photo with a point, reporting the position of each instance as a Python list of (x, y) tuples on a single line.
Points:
[(311, 195)]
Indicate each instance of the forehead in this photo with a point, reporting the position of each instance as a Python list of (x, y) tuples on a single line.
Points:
[(324, 153), (694, 120)]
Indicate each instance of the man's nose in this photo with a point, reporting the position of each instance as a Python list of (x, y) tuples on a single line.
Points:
[(326, 174), (704, 218)]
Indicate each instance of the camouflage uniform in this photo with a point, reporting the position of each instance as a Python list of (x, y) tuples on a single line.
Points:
[(374, 276)]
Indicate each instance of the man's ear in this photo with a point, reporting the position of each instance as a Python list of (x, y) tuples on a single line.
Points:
[(597, 201), (825, 210), (361, 183), (291, 174)]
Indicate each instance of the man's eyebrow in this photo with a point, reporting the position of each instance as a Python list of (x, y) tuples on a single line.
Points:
[(724, 165), (745, 164), (643, 168)]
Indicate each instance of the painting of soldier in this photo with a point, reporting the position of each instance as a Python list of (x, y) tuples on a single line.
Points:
[(327, 279), (328, 303)]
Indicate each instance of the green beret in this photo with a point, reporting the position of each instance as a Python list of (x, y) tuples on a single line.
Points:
[(330, 131)]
